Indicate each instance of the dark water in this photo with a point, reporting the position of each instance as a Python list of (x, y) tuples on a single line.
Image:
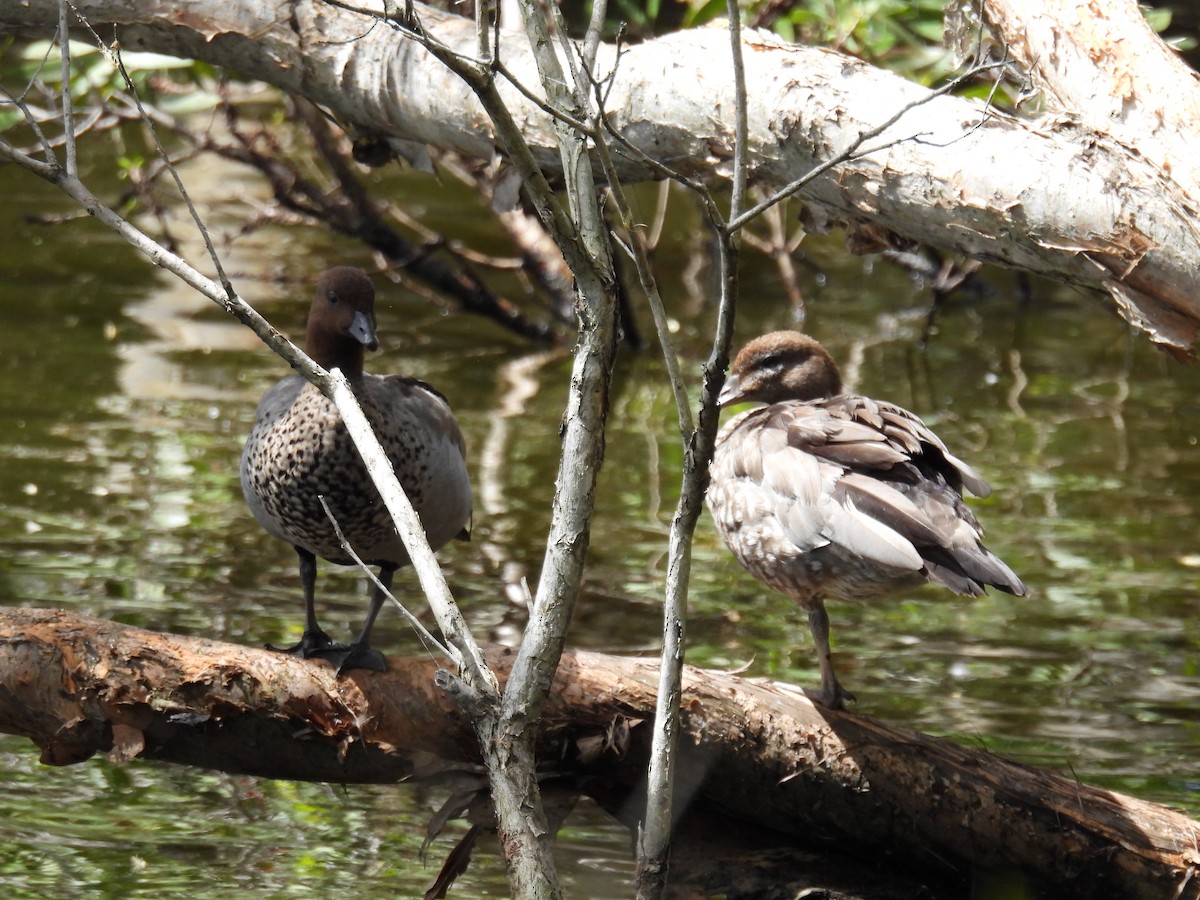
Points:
[(125, 401)]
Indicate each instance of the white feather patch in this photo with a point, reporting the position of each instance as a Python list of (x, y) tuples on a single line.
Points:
[(868, 538), (795, 474)]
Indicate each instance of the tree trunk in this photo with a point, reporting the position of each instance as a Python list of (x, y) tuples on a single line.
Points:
[(1052, 196), (752, 752)]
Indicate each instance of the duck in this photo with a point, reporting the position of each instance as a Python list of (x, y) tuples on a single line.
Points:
[(822, 494), (299, 451)]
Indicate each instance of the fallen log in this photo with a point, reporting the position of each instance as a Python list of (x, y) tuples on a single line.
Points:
[(755, 752)]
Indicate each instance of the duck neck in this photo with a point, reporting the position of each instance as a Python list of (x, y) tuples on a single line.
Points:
[(340, 352)]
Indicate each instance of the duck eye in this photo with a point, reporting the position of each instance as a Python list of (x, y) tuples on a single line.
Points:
[(331, 296)]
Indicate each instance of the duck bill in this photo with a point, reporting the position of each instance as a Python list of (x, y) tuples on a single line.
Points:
[(731, 392), (362, 329)]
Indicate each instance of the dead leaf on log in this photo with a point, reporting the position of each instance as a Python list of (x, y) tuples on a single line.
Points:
[(127, 743), (456, 863)]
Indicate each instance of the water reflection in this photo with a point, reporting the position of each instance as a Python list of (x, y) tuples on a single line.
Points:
[(127, 402)]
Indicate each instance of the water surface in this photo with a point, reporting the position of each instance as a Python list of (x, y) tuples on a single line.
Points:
[(126, 401)]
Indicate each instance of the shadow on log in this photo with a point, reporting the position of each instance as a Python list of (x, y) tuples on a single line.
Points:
[(762, 768)]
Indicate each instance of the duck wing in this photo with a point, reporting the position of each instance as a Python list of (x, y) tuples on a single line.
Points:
[(422, 439), (407, 400), (278, 399), (905, 433), (773, 498), (894, 471)]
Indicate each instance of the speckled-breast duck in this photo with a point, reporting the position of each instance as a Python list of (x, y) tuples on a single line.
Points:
[(821, 494), (299, 450)]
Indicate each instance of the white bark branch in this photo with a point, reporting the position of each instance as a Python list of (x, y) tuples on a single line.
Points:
[(433, 583), (1102, 64), (1054, 197)]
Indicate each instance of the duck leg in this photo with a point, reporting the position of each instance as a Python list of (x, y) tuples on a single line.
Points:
[(314, 641), (833, 695), (360, 654)]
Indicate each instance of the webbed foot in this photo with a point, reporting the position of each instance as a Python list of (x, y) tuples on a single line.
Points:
[(835, 698), (356, 656), (311, 643)]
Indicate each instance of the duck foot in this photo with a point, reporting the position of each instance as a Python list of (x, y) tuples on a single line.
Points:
[(356, 656), (318, 645), (311, 643), (836, 699)]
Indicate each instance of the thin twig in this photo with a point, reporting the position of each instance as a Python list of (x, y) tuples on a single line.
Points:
[(47, 170), (68, 106), (418, 627), (113, 55), (637, 250), (20, 103), (556, 115), (641, 261), (410, 27), (654, 839)]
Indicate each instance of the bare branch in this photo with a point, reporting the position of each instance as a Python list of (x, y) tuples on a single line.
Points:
[(645, 272), (113, 55), (654, 840), (422, 632), (466, 652), (68, 107)]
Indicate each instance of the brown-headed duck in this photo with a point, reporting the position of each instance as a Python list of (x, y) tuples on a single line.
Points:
[(821, 494), (299, 450)]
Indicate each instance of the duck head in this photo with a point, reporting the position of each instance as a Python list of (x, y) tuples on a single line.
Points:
[(341, 320), (782, 365)]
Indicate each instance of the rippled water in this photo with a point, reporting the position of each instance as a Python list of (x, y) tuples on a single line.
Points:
[(122, 414)]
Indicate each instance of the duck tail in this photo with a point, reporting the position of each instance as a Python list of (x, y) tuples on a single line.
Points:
[(970, 571)]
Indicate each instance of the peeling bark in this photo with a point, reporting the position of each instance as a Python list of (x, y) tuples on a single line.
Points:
[(1062, 197), (752, 752), (1102, 64)]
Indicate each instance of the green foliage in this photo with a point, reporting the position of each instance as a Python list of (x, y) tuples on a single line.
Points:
[(31, 73), (904, 35), (868, 28), (641, 16), (1160, 21)]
